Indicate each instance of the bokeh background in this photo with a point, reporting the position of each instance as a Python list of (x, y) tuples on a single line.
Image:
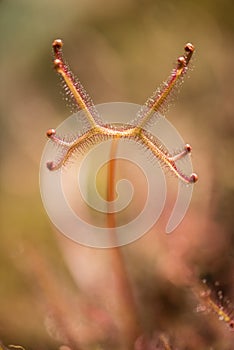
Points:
[(121, 51)]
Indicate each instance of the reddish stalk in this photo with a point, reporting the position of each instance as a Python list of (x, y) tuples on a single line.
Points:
[(124, 306), (111, 174)]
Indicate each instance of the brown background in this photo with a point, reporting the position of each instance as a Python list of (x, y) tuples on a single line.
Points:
[(121, 51)]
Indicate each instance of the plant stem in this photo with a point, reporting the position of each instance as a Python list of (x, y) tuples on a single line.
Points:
[(124, 306)]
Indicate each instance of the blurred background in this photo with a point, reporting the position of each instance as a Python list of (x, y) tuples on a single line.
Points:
[(54, 292)]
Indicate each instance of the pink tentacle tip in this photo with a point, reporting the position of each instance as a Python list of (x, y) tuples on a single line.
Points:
[(188, 148), (57, 44), (50, 165), (189, 47), (193, 178), (50, 133), (181, 62), (57, 63)]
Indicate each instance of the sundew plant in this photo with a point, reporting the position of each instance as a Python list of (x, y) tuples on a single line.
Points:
[(130, 244)]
